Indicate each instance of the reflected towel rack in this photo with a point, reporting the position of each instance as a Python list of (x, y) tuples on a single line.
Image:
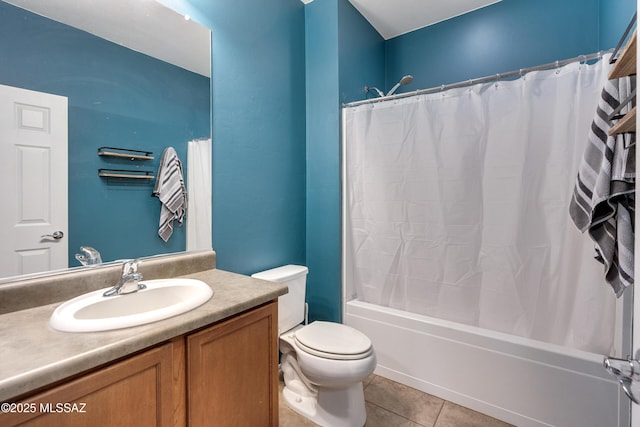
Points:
[(626, 125), (624, 66), (126, 174), (125, 153)]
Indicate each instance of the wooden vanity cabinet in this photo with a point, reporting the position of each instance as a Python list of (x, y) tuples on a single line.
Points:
[(223, 375), (137, 391), (233, 371)]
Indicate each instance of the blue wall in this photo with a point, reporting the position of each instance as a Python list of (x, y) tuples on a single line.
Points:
[(509, 35), (117, 97), (280, 73), (361, 54), (277, 89), (343, 54), (614, 18), (505, 36), (269, 209), (323, 159), (277, 202), (258, 79)]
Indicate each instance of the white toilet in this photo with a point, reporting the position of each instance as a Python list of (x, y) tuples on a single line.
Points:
[(323, 363)]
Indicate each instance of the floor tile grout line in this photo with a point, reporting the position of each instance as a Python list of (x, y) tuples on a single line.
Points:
[(370, 382), (435, 423), (402, 416), (395, 413)]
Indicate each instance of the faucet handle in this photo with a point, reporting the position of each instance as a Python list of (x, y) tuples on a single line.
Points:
[(130, 266)]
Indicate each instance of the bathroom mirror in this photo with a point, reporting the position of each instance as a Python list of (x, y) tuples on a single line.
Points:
[(136, 76)]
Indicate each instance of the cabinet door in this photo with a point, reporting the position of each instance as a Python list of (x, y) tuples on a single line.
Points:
[(138, 391), (232, 371)]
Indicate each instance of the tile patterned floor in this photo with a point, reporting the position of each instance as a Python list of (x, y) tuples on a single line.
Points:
[(390, 404)]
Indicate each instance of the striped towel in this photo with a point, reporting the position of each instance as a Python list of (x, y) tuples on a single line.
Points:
[(171, 191), (603, 200)]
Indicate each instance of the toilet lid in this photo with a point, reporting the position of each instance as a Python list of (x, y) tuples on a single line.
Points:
[(333, 341)]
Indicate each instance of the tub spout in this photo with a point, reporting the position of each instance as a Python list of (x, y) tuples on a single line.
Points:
[(627, 371), (622, 368)]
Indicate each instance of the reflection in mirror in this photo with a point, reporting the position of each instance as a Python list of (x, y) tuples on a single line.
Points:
[(116, 96)]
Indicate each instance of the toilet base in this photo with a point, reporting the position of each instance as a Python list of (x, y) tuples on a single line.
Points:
[(332, 407)]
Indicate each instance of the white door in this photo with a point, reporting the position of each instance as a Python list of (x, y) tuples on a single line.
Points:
[(33, 179)]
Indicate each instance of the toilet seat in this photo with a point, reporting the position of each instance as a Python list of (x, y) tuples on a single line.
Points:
[(335, 341)]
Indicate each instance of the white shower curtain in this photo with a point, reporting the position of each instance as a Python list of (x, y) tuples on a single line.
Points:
[(199, 194), (456, 207)]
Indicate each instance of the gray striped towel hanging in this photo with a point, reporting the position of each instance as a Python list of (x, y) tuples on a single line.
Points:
[(603, 200), (171, 191)]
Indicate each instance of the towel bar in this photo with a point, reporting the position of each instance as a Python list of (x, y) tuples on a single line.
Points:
[(126, 174), (125, 153)]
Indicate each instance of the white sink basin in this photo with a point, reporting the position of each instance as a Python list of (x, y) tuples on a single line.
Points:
[(161, 299)]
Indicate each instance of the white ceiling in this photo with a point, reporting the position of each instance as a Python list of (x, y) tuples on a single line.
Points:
[(145, 26), (392, 18)]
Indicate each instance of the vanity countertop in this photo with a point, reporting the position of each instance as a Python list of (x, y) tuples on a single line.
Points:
[(34, 355)]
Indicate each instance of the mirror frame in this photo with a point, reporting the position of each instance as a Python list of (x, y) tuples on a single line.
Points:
[(163, 30)]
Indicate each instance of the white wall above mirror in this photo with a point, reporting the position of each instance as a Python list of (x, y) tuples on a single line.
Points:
[(145, 26)]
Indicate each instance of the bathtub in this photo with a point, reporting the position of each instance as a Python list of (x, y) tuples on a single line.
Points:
[(517, 380)]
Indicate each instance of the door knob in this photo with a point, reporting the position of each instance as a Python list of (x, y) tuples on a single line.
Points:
[(627, 371), (56, 235)]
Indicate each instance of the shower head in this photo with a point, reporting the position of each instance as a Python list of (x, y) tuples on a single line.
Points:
[(403, 81), (368, 89)]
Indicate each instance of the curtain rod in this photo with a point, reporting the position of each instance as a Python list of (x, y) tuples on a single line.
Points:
[(487, 79)]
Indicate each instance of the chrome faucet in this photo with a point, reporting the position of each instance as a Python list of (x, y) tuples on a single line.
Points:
[(89, 256), (128, 282)]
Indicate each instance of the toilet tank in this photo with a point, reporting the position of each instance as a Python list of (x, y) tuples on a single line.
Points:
[(291, 305)]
